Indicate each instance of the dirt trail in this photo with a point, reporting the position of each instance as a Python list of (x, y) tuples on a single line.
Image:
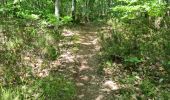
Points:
[(79, 58)]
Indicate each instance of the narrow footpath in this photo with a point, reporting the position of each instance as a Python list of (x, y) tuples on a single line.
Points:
[(80, 59)]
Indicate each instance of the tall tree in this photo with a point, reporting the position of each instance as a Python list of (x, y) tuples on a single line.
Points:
[(73, 9), (57, 8)]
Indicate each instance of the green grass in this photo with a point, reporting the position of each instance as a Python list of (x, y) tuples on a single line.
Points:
[(52, 87)]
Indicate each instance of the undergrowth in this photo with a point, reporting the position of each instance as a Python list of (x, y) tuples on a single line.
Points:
[(138, 58), (28, 48), (51, 87)]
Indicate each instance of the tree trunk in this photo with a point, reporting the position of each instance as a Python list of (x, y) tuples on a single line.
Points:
[(57, 10), (73, 9)]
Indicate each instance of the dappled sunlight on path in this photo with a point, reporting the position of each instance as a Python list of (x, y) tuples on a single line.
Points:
[(79, 58)]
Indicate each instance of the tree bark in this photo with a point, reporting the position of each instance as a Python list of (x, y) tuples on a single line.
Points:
[(73, 9), (57, 8)]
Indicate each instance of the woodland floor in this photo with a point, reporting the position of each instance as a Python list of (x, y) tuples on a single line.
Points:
[(80, 60)]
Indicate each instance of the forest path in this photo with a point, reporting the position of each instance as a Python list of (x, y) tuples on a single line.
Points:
[(80, 58)]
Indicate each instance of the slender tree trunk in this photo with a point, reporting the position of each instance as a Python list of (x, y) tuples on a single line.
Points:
[(168, 10), (73, 9), (57, 10)]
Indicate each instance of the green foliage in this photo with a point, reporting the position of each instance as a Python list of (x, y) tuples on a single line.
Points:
[(51, 53), (127, 12), (133, 60), (9, 94), (167, 67), (21, 92), (41, 89), (148, 88), (109, 63), (25, 37), (56, 21), (136, 39), (168, 62), (133, 9), (127, 93), (66, 20), (57, 88), (129, 80), (30, 30), (165, 95), (53, 20), (25, 30)]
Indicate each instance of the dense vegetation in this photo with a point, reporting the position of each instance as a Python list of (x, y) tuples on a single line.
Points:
[(135, 47)]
